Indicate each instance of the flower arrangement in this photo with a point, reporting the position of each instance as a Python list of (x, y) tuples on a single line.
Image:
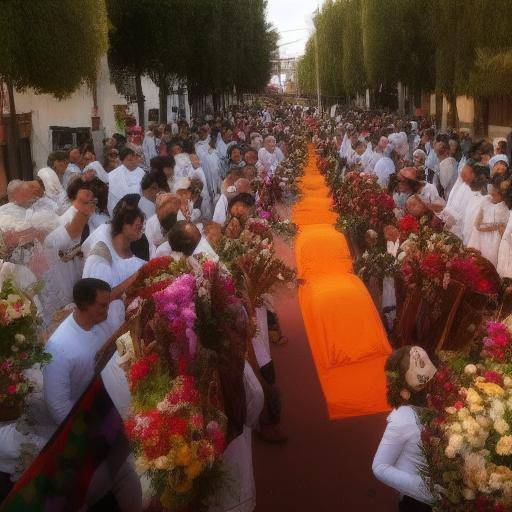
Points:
[(186, 327), (430, 260), (20, 347), (467, 437), (252, 261), (374, 263), (362, 204)]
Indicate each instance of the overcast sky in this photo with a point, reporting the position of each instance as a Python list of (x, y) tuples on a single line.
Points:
[(291, 15)]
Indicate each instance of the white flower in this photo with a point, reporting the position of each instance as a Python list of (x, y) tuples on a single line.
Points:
[(19, 338), (470, 369), (455, 441), (468, 494), (449, 451)]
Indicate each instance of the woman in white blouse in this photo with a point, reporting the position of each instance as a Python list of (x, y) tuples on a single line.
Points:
[(398, 458)]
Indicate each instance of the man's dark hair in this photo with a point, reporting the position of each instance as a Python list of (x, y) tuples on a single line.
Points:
[(149, 179), (232, 148), (184, 237), (125, 152), (127, 201), (243, 197), (54, 156), (85, 291), (76, 185)]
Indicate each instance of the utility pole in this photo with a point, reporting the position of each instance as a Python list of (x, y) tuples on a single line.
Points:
[(318, 95)]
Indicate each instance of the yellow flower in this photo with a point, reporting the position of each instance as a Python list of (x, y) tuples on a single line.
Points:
[(501, 426), (182, 456), (490, 388), (194, 469), (162, 462), (142, 464), (504, 446)]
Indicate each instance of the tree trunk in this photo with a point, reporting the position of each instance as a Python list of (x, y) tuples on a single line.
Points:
[(140, 100), (453, 121), (163, 92), (13, 139), (439, 110)]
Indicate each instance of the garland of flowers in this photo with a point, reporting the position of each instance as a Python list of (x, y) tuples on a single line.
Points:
[(185, 329)]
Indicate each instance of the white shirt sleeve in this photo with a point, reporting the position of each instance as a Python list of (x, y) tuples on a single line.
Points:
[(57, 385), (394, 442)]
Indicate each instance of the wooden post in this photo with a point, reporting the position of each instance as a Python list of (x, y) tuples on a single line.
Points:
[(12, 138)]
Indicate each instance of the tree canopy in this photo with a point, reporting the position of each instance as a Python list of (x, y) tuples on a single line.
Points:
[(51, 46), (444, 46)]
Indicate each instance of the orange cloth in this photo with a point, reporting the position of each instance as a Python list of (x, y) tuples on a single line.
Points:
[(347, 339)]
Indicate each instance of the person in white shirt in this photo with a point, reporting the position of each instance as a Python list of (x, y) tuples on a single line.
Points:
[(223, 143), (92, 165), (63, 250), (74, 167), (164, 167), (73, 348), (269, 156), (125, 179), (398, 457), (149, 189), (447, 176), (491, 221), (159, 224), (210, 162), (53, 176), (385, 166)]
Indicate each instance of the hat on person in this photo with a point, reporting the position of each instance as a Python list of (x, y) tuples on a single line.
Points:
[(419, 153)]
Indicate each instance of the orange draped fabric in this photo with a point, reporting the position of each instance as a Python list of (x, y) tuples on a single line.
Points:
[(347, 339)]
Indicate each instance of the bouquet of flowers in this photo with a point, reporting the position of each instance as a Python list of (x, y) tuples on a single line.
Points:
[(374, 263), (431, 259), (20, 348), (186, 376), (252, 261), (467, 437), (362, 204)]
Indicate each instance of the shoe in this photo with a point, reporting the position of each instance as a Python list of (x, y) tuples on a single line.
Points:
[(271, 434)]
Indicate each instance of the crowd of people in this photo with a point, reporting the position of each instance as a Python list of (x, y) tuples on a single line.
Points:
[(83, 229), (452, 183)]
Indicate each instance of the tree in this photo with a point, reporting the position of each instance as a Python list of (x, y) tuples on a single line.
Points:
[(51, 47), (133, 40)]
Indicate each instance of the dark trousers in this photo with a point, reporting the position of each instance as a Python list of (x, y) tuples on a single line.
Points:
[(408, 504)]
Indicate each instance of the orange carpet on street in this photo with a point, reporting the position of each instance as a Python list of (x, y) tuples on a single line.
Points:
[(345, 332)]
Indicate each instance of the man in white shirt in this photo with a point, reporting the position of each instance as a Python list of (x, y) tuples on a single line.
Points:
[(64, 251), (210, 162), (125, 179), (224, 141), (74, 168), (378, 153), (73, 348), (159, 224)]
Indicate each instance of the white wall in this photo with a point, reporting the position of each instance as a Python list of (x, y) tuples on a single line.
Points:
[(74, 111)]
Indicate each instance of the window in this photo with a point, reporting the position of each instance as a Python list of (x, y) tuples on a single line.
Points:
[(64, 137)]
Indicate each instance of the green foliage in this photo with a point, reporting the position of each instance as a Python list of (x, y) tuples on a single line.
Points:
[(51, 46), (454, 47)]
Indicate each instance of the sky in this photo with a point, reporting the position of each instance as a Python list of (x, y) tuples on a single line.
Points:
[(291, 15)]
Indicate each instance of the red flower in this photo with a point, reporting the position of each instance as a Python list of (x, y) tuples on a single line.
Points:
[(142, 368), (433, 265), (408, 224), (11, 389), (492, 376)]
